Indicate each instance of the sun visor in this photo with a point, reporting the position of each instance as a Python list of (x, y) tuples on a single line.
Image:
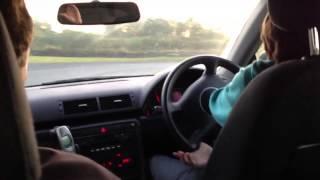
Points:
[(295, 15)]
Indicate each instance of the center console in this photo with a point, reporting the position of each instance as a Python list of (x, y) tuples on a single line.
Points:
[(115, 145)]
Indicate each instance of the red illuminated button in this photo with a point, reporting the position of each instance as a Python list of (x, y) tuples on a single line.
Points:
[(104, 130), (119, 155), (107, 164), (126, 161)]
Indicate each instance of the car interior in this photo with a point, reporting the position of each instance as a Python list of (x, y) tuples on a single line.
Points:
[(121, 122)]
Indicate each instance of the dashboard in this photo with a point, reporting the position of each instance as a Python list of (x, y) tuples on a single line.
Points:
[(116, 122)]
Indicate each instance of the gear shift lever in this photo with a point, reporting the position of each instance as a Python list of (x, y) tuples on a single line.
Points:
[(65, 139)]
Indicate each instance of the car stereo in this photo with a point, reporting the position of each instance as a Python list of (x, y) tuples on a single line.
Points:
[(115, 145)]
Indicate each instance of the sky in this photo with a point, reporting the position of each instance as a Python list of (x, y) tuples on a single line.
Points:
[(223, 15)]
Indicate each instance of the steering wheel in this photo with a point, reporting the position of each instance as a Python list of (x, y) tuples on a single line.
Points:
[(189, 118)]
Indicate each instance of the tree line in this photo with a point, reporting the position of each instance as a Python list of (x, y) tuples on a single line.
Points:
[(153, 37)]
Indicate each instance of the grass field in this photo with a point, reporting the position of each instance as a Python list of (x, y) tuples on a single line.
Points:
[(52, 59)]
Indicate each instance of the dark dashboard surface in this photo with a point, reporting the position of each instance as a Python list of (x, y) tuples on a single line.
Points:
[(106, 97), (49, 103), (95, 107)]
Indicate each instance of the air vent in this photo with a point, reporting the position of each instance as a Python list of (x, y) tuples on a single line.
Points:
[(80, 106), (115, 102)]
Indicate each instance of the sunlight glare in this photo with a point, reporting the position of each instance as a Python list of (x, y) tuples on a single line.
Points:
[(222, 15)]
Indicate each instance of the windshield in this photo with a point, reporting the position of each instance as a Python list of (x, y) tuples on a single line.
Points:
[(168, 32)]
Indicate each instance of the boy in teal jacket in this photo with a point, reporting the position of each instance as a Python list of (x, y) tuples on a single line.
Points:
[(280, 46)]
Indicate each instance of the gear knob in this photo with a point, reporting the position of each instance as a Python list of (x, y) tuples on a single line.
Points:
[(65, 139)]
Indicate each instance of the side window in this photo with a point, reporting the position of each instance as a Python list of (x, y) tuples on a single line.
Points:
[(261, 53)]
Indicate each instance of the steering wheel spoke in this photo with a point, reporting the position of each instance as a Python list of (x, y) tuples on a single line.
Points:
[(175, 107), (210, 68)]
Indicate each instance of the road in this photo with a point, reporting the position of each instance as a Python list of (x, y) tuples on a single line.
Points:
[(47, 72)]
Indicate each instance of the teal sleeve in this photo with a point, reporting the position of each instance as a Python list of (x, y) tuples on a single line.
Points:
[(222, 101)]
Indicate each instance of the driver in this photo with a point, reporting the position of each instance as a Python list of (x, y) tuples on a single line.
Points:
[(69, 14), (55, 164), (280, 46)]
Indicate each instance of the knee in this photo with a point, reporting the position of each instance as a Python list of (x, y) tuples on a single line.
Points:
[(156, 162)]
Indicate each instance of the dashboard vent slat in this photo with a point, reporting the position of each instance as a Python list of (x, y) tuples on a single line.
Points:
[(80, 106), (115, 102)]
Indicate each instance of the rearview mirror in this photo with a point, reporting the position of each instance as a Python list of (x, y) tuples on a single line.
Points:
[(98, 13)]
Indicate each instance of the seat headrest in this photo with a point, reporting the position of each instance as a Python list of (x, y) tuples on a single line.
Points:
[(295, 15), (18, 153)]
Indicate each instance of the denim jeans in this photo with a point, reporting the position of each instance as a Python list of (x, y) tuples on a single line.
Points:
[(168, 168)]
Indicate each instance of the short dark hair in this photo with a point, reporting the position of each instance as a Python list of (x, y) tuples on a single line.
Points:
[(283, 45), (20, 26)]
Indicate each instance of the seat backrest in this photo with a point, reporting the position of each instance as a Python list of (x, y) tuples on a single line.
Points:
[(273, 132), (18, 150)]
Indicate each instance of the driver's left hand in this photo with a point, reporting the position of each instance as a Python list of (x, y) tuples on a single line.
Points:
[(198, 158)]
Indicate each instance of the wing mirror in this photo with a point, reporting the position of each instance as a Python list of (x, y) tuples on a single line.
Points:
[(98, 13)]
